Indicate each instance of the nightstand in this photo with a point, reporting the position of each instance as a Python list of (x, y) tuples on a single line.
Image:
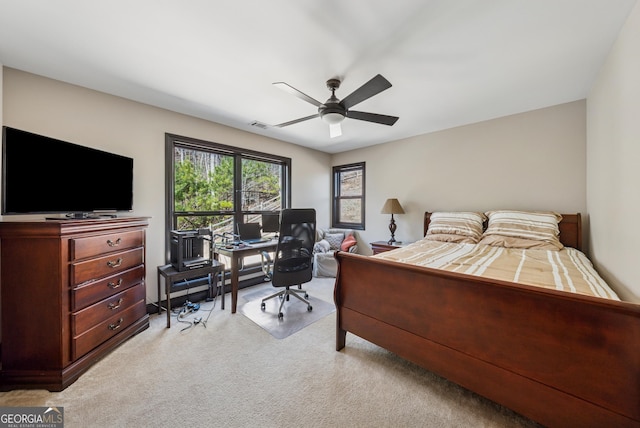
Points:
[(382, 246)]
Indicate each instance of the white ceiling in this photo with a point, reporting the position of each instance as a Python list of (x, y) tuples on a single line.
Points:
[(451, 62)]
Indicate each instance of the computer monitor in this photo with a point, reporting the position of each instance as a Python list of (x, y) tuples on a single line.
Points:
[(271, 222), (249, 231)]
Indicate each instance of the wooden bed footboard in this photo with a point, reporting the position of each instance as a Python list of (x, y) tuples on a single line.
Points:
[(557, 358)]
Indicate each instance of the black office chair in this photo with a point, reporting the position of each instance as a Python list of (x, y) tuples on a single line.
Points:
[(292, 263)]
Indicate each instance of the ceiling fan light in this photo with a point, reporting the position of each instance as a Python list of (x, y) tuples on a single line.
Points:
[(332, 118)]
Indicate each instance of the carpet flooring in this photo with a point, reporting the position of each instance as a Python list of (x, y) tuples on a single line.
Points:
[(226, 371)]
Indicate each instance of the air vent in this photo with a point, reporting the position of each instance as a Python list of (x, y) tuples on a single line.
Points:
[(259, 124)]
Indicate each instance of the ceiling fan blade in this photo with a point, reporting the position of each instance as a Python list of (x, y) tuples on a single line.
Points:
[(335, 130), (293, 91), (372, 117), (369, 89), (292, 122)]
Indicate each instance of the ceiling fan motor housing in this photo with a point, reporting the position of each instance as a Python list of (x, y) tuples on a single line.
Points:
[(332, 111)]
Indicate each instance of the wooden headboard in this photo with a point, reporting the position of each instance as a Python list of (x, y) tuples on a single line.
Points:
[(570, 229)]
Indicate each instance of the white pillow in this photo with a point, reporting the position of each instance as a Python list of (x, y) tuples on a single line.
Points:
[(321, 246)]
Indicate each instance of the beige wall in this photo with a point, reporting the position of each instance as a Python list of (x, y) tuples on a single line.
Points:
[(94, 119), (613, 159), (534, 160), (575, 157)]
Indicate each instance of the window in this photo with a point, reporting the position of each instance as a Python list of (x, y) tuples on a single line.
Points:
[(214, 186), (348, 196)]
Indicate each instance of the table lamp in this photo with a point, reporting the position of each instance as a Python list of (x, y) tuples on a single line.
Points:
[(392, 206)]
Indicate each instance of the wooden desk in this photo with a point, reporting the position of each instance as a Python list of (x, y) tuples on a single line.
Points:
[(171, 276), (237, 253)]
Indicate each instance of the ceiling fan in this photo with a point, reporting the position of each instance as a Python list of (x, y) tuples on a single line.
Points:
[(333, 111)]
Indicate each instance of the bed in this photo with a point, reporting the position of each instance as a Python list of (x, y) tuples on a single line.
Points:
[(559, 358)]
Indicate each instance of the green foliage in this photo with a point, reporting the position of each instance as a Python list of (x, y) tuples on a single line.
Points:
[(200, 190), (260, 183), (204, 182)]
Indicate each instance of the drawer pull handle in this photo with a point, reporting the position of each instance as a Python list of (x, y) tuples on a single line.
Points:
[(116, 325), (115, 264), (115, 305), (114, 243), (115, 284)]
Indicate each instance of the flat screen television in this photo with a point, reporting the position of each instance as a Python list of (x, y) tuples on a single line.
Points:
[(43, 175)]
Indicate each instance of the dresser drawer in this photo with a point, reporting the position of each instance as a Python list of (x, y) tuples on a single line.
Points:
[(81, 248), (95, 291), (105, 265), (85, 319), (93, 337)]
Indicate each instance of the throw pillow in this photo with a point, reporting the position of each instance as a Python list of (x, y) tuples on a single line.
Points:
[(334, 240), (348, 242), (321, 247)]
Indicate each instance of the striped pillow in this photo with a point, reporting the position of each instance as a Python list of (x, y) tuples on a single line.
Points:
[(456, 227), (523, 229)]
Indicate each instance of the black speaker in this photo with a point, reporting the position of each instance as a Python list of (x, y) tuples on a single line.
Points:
[(190, 249)]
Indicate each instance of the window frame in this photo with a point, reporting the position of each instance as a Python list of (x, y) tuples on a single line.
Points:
[(336, 198), (172, 141)]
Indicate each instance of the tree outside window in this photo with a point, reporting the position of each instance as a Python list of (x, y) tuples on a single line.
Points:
[(215, 186), (203, 190), (348, 196)]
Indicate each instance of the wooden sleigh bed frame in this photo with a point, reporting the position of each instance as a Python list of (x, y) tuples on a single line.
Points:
[(558, 358)]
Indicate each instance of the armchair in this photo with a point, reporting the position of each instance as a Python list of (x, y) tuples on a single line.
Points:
[(328, 241)]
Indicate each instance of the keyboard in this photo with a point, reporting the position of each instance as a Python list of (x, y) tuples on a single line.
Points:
[(256, 240)]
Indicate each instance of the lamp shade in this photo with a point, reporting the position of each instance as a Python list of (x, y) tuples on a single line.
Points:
[(392, 206)]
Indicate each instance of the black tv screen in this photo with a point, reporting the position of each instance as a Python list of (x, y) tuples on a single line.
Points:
[(45, 175)]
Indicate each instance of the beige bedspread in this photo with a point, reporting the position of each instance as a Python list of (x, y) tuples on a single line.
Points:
[(567, 269)]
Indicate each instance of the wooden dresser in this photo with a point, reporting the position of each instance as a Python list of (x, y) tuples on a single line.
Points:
[(71, 291)]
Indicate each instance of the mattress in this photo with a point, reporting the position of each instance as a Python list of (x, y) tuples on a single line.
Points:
[(566, 270)]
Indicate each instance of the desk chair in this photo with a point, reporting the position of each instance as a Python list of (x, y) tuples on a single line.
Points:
[(292, 263)]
